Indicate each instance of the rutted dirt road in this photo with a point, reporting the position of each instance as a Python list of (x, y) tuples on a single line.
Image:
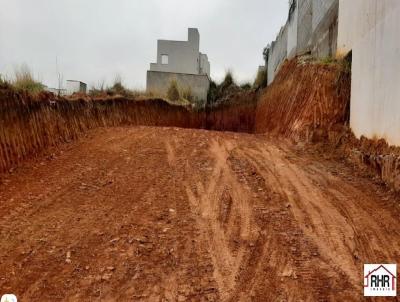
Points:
[(161, 214)]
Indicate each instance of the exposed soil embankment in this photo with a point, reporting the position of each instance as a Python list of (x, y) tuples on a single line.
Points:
[(382, 158), (310, 102), (376, 156), (305, 100), (30, 124)]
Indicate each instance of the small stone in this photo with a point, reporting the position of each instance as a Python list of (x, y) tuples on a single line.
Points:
[(68, 259), (114, 240), (106, 277), (181, 298)]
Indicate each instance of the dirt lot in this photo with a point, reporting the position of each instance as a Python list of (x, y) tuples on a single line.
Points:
[(162, 214)]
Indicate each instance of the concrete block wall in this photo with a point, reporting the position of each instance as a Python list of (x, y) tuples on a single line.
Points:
[(312, 26), (370, 29), (304, 29), (321, 10), (324, 28), (292, 30), (159, 82), (277, 53)]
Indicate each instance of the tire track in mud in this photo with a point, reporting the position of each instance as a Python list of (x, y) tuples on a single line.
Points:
[(224, 215), (316, 270), (282, 250), (192, 215), (324, 211)]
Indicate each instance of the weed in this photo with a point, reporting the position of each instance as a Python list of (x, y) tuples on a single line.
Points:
[(4, 84), (329, 60), (261, 80), (24, 80), (173, 93), (227, 82), (187, 94), (245, 86)]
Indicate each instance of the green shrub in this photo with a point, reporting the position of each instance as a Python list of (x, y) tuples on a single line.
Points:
[(187, 94), (328, 60), (227, 82), (118, 87), (261, 80), (173, 91), (246, 86), (212, 92)]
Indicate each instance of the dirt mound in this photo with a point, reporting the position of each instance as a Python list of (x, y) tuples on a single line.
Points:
[(305, 100)]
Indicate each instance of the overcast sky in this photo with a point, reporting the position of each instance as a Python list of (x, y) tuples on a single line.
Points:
[(94, 40)]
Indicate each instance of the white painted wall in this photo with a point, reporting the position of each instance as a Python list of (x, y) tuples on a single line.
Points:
[(371, 29), (183, 56), (75, 86)]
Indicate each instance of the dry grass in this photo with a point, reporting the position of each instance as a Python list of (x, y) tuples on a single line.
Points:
[(173, 93), (187, 94), (25, 81), (4, 83)]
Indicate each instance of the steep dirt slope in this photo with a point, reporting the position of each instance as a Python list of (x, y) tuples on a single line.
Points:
[(306, 99), (164, 214)]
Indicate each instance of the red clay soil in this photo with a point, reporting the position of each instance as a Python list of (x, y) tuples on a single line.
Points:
[(166, 214), (30, 124), (304, 99)]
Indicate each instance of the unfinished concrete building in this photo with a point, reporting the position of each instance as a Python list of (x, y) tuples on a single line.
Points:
[(74, 86), (181, 61)]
